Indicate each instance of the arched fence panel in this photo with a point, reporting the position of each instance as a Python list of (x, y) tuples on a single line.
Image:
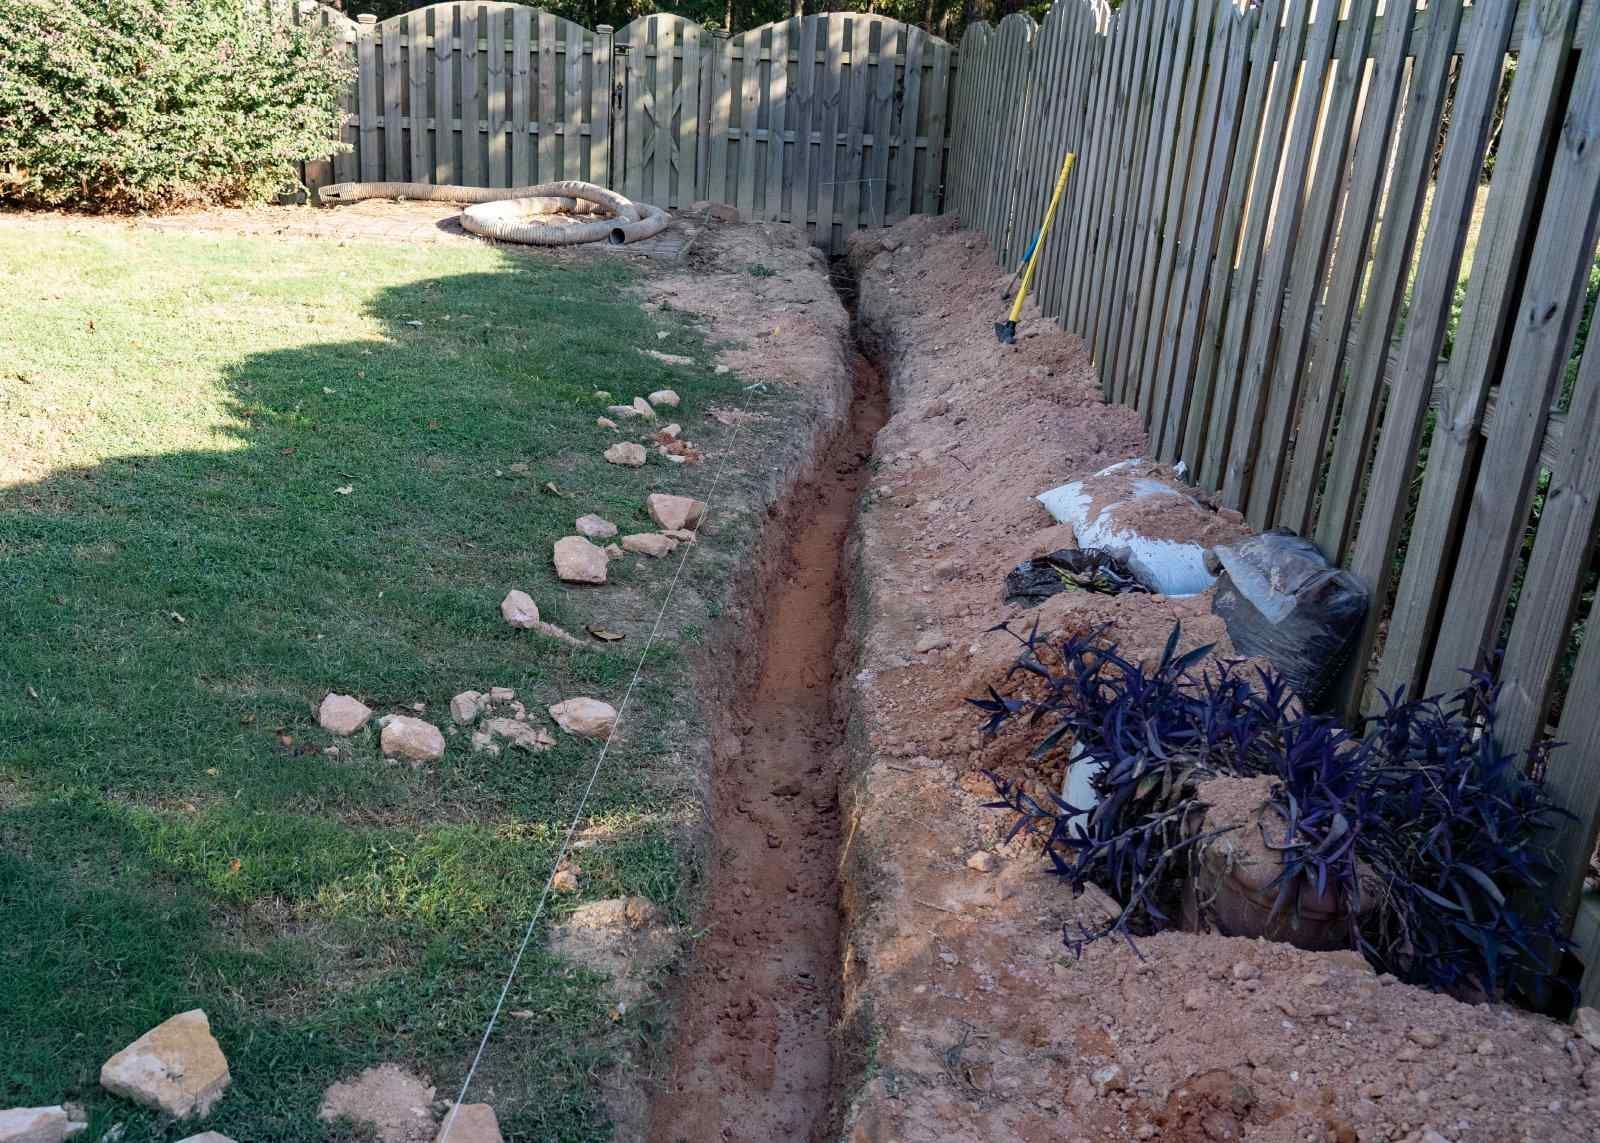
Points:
[(836, 121)]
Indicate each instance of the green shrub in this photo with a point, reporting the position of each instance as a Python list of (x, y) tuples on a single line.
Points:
[(149, 104)]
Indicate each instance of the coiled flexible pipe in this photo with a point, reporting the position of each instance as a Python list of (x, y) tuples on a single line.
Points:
[(515, 214)]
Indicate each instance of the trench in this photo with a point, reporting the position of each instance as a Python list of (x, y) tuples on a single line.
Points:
[(752, 1054)]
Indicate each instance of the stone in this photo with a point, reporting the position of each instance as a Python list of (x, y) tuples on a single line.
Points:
[(585, 717), (592, 527), (1109, 1079), (642, 407), (207, 1137), (605, 423), (502, 694), (613, 550), (38, 1125), (177, 1068), (1194, 999), (667, 359), (483, 743), (672, 432), (932, 641), (682, 535), (579, 561), (675, 512), (565, 881), (1244, 970), (665, 397), (519, 734), (626, 453), (623, 411), (465, 708), (412, 739), (1424, 1038), (342, 714), (519, 610), (982, 861), (470, 1123), (1586, 1022), (652, 544)]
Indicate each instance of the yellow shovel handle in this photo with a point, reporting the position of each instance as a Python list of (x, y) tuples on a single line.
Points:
[(1044, 232)]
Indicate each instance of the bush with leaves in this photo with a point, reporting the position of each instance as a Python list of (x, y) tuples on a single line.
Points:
[(1425, 814), (147, 104)]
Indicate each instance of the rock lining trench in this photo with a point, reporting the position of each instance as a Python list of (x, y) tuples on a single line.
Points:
[(752, 1057)]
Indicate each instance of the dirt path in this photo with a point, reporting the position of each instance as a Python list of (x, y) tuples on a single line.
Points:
[(753, 1059)]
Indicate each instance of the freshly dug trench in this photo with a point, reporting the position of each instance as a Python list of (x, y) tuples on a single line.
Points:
[(752, 1059)]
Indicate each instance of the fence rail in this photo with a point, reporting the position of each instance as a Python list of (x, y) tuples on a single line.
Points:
[(1340, 261), (834, 120)]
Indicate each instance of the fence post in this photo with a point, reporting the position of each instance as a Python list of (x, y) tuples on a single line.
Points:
[(602, 124), (367, 98)]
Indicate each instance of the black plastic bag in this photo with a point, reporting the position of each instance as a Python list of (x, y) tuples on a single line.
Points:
[(1283, 601), (1070, 569)]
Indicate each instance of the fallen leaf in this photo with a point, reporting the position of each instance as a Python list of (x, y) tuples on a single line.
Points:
[(433, 424), (603, 635), (176, 618), (235, 865), (33, 694), (414, 324), (246, 719), (286, 451), (550, 487), (520, 1014), (211, 771), (345, 489), (328, 391)]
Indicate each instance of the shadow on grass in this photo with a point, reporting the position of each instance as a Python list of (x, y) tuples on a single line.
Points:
[(172, 834)]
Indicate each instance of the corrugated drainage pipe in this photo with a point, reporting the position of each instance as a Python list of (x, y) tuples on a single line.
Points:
[(518, 214)]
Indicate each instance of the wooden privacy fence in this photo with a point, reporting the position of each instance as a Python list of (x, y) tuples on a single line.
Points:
[(836, 120), (1339, 259)]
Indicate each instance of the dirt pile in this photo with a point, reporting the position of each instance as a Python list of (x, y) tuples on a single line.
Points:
[(977, 1023)]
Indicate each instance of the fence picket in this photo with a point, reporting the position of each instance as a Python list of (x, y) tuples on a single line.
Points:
[(444, 100), (498, 172)]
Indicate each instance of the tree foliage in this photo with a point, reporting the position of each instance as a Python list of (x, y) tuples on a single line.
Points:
[(145, 104)]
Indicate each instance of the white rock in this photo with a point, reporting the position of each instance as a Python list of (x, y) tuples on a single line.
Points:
[(519, 610), (412, 739), (465, 706), (342, 714), (585, 717), (665, 397), (626, 453), (623, 411), (652, 544), (1586, 1021), (592, 527), (38, 1125), (579, 561), (642, 407), (519, 734), (207, 1137), (675, 512), (470, 1123), (177, 1067), (1109, 1079)]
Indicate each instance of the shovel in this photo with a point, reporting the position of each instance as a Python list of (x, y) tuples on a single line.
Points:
[(1006, 331)]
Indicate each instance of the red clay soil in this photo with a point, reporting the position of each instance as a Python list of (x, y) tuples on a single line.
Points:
[(977, 1023), (753, 1055)]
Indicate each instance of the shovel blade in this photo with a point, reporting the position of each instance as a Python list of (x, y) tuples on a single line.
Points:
[(1005, 332)]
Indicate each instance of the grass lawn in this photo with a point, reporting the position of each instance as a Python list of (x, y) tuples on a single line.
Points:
[(236, 474)]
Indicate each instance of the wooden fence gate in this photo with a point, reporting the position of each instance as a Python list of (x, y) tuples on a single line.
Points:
[(835, 120)]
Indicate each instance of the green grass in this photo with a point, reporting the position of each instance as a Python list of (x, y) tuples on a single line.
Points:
[(178, 415)]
